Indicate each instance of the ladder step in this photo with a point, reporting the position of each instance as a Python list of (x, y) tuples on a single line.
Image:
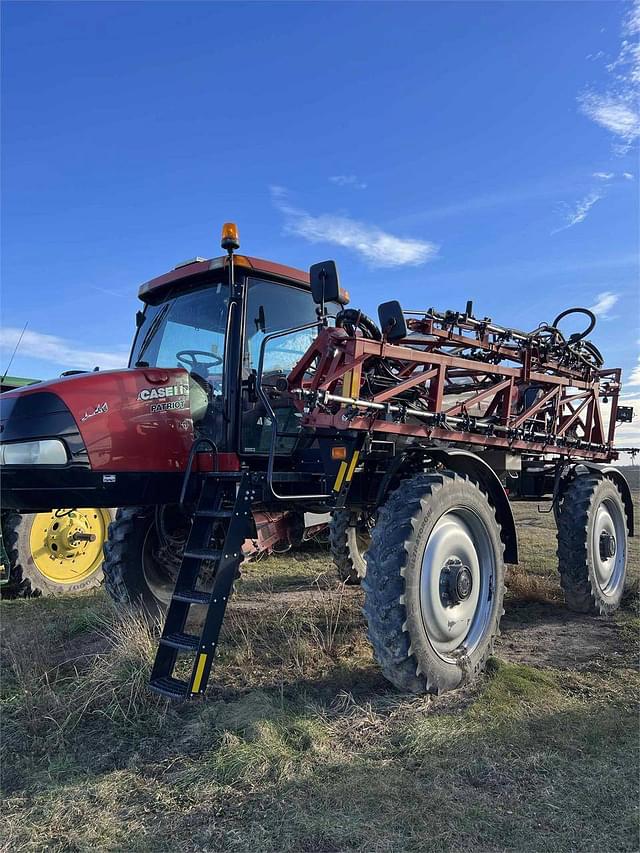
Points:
[(192, 596), (223, 475), (170, 688), (203, 553), (179, 640), (220, 525)]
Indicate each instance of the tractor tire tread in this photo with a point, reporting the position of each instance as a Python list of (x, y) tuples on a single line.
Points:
[(384, 582), (341, 550), (580, 591), (115, 549), (18, 585)]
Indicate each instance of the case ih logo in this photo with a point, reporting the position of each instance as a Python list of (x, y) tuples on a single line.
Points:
[(164, 392)]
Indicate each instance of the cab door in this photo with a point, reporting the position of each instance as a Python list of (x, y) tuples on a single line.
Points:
[(273, 307)]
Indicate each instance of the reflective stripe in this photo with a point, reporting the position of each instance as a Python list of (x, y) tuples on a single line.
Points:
[(355, 385), (342, 470), (197, 680), (352, 465), (345, 472)]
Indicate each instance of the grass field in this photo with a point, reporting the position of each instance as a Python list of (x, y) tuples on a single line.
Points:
[(302, 746)]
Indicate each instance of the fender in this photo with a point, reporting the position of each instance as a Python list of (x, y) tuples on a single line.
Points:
[(465, 463), (612, 473)]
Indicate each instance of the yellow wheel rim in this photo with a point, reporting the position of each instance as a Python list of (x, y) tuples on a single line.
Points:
[(66, 545)]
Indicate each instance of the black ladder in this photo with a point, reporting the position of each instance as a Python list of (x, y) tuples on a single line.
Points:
[(221, 523)]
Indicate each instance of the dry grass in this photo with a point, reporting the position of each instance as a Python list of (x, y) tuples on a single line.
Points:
[(302, 746), (114, 684)]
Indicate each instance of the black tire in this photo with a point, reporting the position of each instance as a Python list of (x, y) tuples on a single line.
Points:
[(132, 574), (347, 540), (17, 586), (582, 565), (393, 606), (25, 578)]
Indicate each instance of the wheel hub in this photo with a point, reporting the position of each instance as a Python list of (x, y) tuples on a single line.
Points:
[(456, 582), (66, 545), (607, 545)]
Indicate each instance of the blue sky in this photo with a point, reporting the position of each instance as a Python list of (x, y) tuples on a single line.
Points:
[(439, 151)]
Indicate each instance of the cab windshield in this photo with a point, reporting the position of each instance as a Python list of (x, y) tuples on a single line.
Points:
[(187, 331)]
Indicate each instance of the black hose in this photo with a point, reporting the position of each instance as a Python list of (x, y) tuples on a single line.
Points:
[(351, 319), (577, 336)]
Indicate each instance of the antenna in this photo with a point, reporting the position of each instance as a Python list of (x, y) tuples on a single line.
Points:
[(15, 350)]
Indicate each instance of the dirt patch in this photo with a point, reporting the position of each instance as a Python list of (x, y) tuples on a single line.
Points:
[(549, 635), (293, 598), (541, 634), (80, 650)]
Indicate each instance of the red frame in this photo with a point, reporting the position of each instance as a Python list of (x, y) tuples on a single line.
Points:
[(565, 411)]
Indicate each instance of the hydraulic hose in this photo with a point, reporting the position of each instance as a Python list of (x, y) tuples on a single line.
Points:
[(351, 319)]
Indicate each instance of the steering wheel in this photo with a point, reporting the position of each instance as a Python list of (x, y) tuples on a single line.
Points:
[(188, 357), (577, 336)]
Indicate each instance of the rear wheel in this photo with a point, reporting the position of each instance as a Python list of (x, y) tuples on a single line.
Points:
[(350, 537), (592, 545), (434, 583), (56, 552)]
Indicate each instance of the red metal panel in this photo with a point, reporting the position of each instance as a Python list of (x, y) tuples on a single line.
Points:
[(129, 420)]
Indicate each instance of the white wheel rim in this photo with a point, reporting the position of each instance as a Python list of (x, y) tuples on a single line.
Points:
[(609, 547), (458, 550)]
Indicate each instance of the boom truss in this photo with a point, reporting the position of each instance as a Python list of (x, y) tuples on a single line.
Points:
[(451, 377)]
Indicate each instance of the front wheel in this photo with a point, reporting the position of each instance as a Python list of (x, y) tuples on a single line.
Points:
[(435, 583), (140, 569)]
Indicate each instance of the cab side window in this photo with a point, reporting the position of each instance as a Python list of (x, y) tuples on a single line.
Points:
[(272, 308)]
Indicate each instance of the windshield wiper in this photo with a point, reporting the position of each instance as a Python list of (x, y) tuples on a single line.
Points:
[(153, 328)]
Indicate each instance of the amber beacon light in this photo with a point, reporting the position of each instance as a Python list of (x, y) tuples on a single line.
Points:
[(230, 237)]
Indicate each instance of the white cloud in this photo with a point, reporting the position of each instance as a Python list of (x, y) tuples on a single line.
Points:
[(604, 176), (616, 109), (59, 351), (632, 23), (628, 175), (633, 379), (348, 181), (615, 112), (580, 211), (376, 246), (604, 303)]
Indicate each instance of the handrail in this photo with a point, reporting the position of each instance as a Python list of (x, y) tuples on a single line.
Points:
[(192, 454)]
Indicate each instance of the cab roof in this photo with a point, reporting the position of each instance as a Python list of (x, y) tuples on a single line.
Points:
[(182, 273)]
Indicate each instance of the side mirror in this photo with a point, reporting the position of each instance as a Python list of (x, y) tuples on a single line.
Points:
[(392, 322), (325, 284)]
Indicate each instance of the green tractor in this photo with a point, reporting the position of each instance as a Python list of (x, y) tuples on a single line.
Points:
[(50, 553)]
